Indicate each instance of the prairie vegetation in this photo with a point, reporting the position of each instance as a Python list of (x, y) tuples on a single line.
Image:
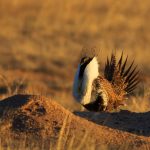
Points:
[(41, 41)]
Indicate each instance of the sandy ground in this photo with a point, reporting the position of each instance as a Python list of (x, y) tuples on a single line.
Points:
[(124, 120), (41, 117)]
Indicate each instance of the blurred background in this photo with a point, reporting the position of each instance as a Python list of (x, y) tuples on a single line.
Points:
[(41, 41)]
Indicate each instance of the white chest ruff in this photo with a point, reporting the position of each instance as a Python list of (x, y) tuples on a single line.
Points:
[(90, 74), (82, 89)]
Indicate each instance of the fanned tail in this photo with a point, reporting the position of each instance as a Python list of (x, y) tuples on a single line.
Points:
[(122, 77), (110, 68)]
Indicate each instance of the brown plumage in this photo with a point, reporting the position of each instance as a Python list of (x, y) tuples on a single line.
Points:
[(109, 91)]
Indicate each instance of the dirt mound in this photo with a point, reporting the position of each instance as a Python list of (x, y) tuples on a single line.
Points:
[(41, 117), (32, 114), (124, 120)]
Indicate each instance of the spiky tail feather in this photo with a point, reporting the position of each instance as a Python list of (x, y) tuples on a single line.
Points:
[(123, 78)]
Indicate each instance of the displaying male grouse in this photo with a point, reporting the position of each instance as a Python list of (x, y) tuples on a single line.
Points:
[(106, 92)]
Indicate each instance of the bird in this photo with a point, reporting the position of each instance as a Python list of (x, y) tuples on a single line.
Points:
[(106, 91)]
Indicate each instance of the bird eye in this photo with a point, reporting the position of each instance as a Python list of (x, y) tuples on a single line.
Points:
[(84, 60)]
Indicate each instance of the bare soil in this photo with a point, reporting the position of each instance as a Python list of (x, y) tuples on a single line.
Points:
[(40, 117)]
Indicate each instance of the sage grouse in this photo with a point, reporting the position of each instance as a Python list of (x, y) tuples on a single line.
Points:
[(104, 92)]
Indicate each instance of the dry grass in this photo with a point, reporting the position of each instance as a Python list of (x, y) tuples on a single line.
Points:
[(40, 43), (62, 142)]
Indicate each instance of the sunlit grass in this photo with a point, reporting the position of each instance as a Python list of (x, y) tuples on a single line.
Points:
[(40, 43)]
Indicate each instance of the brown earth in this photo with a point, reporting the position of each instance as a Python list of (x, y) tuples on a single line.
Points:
[(133, 122), (40, 117)]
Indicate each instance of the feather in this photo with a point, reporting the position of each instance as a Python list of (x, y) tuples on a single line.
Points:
[(110, 68), (120, 61), (105, 93), (124, 65), (128, 70), (121, 78)]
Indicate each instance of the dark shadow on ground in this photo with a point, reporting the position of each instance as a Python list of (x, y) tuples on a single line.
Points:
[(137, 123)]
